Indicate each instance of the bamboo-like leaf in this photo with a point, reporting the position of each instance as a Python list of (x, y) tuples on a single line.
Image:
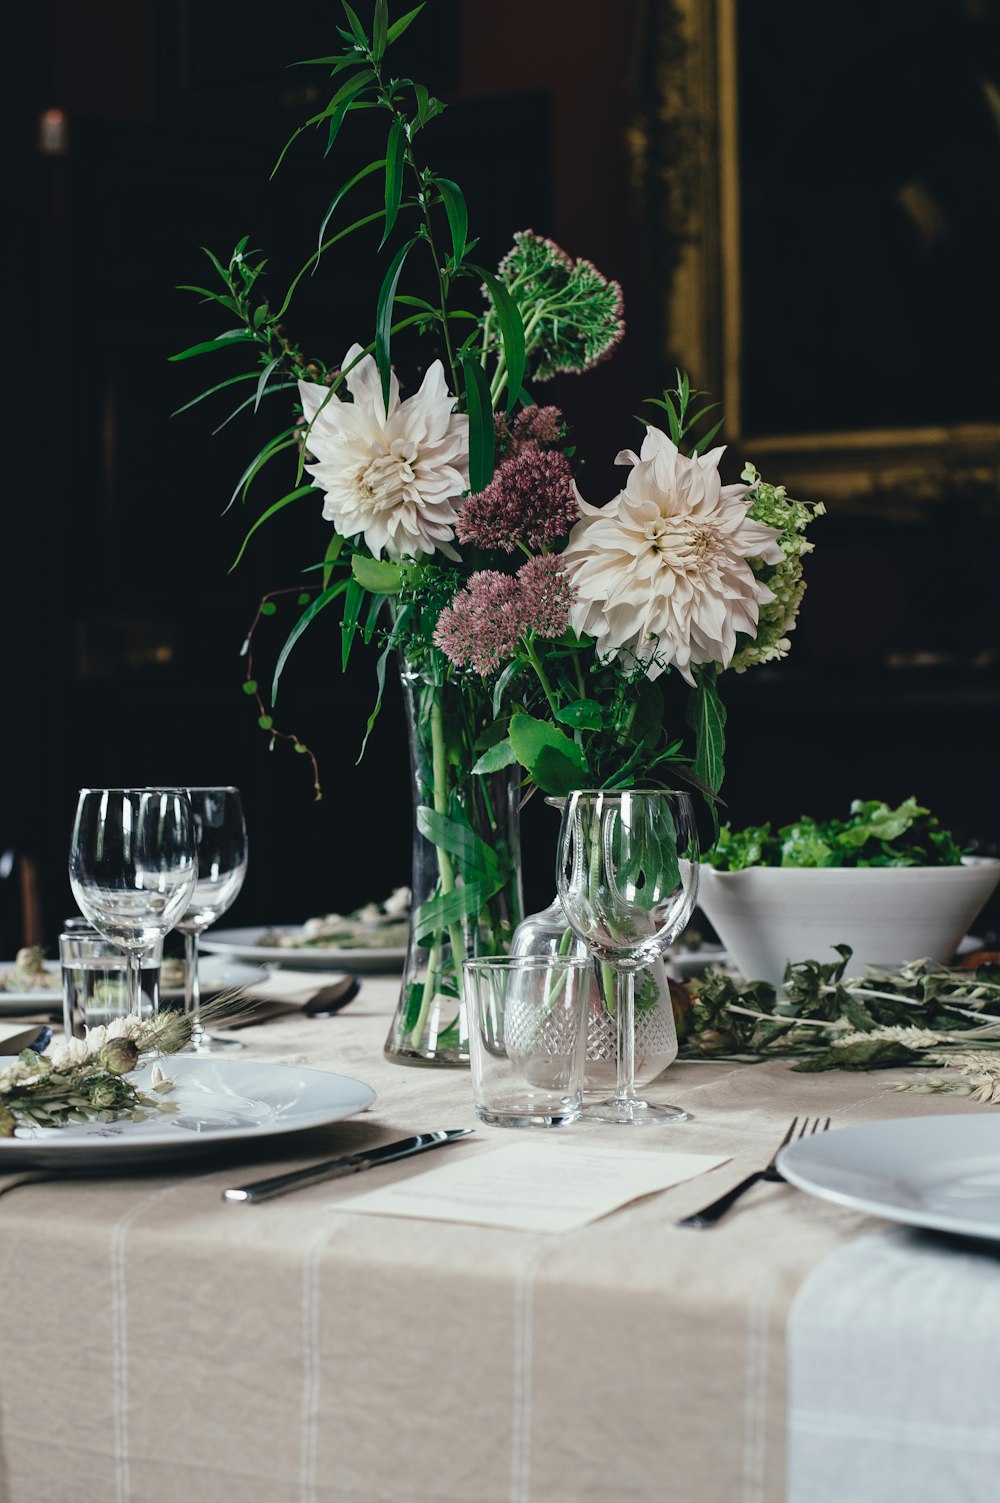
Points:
[(360, 35), (383, 316), (220, 386), (272, 447), (295, 495), (262, 383), (458, 215), (349, 625), (380, 666), (441, 913), (398, 27), (499, 688), (706, 716), (472, 852), (333, 549), (423, 99), (380, 30), (511, 332), (242, 407), (220, 342), (703, 443), (394, 162), (308, 615), (357, 225), (337, 198), (482, 434)]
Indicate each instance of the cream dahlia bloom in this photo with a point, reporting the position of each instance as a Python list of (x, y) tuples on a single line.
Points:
[(662, 573), (394, 476)]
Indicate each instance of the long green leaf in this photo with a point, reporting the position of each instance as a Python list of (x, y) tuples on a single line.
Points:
[(380, 30), (398, 27), (337, 198), (394, 162), (439, 914), (220, 386), (349, 625), (295, 495), (262, 383), (511, 332), (330, 557), (473, 854), (249, 402), (360, 35), (458, 215), (706, 716), (383, 316), (482, 434), (380, 666), (281, 440), (308, 615), (220, 342)]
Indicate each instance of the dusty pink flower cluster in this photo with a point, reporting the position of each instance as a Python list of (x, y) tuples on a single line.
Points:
[(483, 624), (544, 425), (530, 501)]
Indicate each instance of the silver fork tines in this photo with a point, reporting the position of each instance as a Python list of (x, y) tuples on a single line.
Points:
[(803, 1127)]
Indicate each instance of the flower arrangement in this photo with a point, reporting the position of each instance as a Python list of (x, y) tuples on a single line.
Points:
[(543, 638)]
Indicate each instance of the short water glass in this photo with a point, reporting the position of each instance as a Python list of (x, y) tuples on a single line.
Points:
[(527, 1037), (95, 981)]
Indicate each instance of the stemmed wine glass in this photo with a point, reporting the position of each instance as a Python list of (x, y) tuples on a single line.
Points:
[(628, 879), (132, 868), (221, 846)]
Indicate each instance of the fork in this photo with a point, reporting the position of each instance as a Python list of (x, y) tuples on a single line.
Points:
[(710, 1214)]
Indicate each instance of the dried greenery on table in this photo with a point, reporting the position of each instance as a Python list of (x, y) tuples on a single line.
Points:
[(88, 1079), (823, 1019)]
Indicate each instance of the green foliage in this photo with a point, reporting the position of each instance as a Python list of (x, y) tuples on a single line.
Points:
[(872, 835)]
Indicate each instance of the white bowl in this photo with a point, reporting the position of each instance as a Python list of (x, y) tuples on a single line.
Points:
[(767, 916)]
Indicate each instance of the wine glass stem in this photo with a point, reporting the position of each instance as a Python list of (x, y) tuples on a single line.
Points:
[(192, 986), (133, 996), (625, 998)]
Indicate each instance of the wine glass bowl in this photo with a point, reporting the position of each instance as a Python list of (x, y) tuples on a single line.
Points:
[(627, 876), (221, 845), (132, 867)]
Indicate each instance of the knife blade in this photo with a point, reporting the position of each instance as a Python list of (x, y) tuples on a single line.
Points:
[(346, 1163)]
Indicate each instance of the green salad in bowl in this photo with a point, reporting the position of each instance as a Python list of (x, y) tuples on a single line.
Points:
[(873, 834), (893, 884)]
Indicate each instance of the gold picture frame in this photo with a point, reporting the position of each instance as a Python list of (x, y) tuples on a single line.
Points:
[(685, 141)]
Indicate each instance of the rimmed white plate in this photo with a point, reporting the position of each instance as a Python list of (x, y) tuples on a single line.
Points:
[(243, 944), (937, 1172), (219, 1103), (216, 973)]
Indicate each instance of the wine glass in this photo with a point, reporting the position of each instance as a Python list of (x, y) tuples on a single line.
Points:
[(132, 868), (221, 846), (628, 879)]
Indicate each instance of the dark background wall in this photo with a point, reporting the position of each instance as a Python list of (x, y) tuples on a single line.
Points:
[(123, 624)]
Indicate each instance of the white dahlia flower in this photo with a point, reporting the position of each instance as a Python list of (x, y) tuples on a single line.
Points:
[(662, 573), (394, 476)]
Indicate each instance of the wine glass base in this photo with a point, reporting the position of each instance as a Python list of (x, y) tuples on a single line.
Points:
[(211, 1043), (632, 1113)]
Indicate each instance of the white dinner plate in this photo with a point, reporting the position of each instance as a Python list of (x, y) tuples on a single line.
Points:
[(219, 1102), (243, 944), (216, 973), (936, 1172)]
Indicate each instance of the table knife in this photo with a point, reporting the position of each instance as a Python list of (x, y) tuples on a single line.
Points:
[(347, 1163)]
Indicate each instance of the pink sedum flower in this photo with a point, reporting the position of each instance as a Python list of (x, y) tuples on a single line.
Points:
[(532, 501), (663, 572), (395, 476), (482, 626)]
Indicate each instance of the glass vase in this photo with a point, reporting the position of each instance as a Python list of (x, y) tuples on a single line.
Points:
[(466, 876), (548, 933)]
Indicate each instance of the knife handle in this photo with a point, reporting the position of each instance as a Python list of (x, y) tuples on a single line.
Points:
[(278, 1184), (350, 1163)]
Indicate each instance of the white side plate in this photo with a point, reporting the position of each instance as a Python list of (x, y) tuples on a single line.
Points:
[(242, 944)]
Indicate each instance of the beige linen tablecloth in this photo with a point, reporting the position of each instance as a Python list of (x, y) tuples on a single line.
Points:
[(160, 1345)]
